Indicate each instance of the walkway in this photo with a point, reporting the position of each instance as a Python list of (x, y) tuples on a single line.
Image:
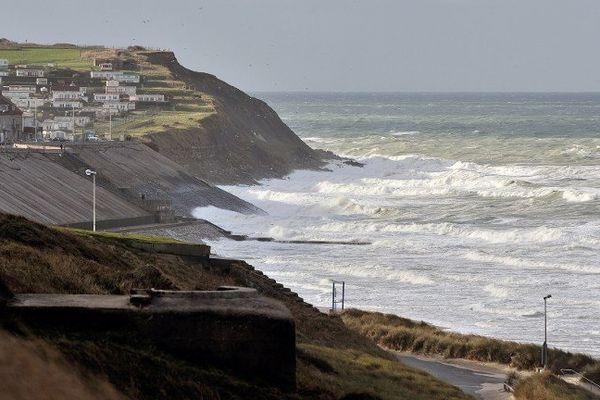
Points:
[(483, 381)]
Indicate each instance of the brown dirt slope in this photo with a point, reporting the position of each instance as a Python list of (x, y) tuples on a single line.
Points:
[(45, 368), (243, 141)]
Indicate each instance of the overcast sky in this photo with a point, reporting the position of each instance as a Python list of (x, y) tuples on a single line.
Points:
[(343, 45)]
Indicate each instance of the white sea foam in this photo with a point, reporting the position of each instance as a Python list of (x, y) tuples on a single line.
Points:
[(442, 232), (496, 291)]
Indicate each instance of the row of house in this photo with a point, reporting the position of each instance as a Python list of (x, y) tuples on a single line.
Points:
[(35, 88)]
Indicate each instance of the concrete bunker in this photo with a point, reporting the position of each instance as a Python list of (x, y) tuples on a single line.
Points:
[(231, 327)]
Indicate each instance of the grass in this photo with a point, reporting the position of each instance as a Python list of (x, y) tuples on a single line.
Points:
[(142, 123), (402, 334), (124, 237), (62, 57), (352, 374), (548, 387)]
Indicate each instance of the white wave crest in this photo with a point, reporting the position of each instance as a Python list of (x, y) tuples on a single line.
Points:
[(495, 291), (519, 262), (404, 133)]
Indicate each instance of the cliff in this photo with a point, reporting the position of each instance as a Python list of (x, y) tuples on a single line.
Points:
[(242, 141)]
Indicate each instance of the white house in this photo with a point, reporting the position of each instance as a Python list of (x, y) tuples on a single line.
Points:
[(15, 95), (3, 63), (80, 120), (120, 76), (122, 106), (66, 104), (29, 102), (41, 81), (106, 66), (3, 73), (31, 72), (148, 98), (67, 95), (22, 88), (115, 87), (104, 97)]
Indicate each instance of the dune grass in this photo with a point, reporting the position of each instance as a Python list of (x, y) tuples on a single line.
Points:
[(351, 374), (548, 387), (402, 334)]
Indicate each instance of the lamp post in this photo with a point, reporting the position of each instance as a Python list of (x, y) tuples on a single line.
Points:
[(89, 172), (545, 347)]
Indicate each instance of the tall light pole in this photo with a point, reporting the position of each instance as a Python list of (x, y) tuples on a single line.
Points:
[(545, 347), (89, 172)]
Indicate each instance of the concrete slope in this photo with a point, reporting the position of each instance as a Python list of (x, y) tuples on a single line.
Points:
[(134, 169), (33, 186)]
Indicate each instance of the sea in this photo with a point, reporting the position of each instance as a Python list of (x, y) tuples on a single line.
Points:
[(475, 207)]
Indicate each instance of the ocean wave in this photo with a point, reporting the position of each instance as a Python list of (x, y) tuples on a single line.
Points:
[(448, 229), (404, 133), (389, 274), (495, 291), (519, 262), (421, 177)]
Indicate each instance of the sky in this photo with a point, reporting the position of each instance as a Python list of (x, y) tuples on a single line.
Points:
[(343, 45)]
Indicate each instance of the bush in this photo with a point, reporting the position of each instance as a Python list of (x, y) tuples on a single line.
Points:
[(401, 334)]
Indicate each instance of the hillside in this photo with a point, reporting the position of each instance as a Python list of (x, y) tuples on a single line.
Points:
[(212, 129), (241, 141), (332, 361)]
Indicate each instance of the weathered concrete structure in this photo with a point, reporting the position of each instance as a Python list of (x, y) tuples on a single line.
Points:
[(232, 327)]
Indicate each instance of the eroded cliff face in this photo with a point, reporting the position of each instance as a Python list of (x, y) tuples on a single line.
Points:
[(242, 142)]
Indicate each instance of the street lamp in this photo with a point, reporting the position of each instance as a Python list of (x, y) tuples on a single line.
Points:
[(89, 172), (545, 347)]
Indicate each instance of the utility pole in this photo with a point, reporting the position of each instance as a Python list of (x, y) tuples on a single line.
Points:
[(73, 117), (35, 120), (545, 347), (89, 172), (110, 124)]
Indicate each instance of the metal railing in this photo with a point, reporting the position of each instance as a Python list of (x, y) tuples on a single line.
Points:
[(508, 388), (570, 371)]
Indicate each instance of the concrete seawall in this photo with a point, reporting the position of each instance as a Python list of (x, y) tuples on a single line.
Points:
[(37, 188), (133, 169), (50, 186), (177, 249)]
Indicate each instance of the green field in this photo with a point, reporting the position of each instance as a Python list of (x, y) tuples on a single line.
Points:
[(62, 57), (142, 123)]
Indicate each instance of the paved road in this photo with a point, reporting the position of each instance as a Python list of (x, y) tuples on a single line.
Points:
[(481, 381)]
